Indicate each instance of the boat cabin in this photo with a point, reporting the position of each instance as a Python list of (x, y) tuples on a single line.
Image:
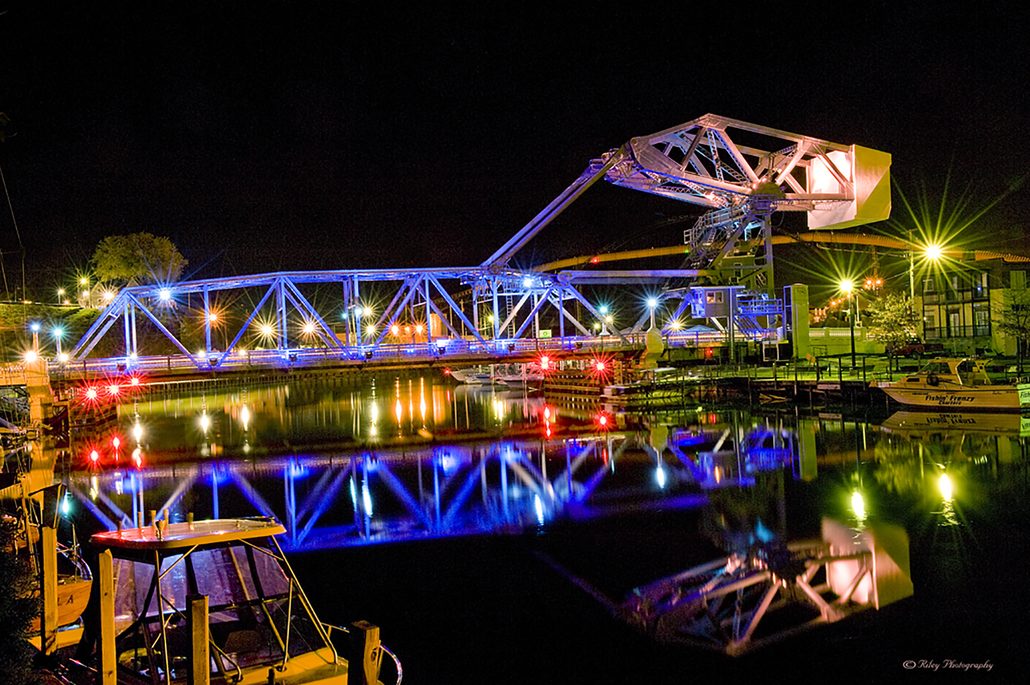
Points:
[(966, 372), (258, 617)]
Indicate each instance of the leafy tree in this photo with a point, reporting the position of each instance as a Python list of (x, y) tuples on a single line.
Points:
[(137, 258), (17, 607), (892, 321), (1014, 321)]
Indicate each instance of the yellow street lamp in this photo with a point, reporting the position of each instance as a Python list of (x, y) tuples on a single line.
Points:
[(930, 252), (847, 286)]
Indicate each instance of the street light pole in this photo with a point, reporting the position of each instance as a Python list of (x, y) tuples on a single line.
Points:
[(911, 272), (852, 302), (847, 286)]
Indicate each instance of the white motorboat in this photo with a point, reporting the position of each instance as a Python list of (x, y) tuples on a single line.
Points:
[(956, 383), (518, 374), (500, 374), (474, 375)]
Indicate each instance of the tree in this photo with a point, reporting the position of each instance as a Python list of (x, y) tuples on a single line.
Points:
[(892, 321), (1014, 321), (137, 258)]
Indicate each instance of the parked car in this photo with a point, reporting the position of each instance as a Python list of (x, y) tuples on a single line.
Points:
[(918, 348)]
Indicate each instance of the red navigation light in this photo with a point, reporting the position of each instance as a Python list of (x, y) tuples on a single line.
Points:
[(547, 413), (92, 394), (595, 260), (545, 362), (547, 431), (116, 442), (602, 421), (134, 381), (709, 352), (113, 390), (94, 456), (447, 371)]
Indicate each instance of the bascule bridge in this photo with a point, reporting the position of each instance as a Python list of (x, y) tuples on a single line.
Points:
[(739, 173)]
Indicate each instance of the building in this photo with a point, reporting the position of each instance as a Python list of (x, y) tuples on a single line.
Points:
[(961, 308)]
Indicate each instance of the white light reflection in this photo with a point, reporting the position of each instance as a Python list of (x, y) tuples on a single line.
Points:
[(946, 487), (366, 500), (660, 477), (858, 506)]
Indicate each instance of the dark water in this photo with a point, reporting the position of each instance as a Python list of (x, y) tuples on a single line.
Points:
[(488, 552)]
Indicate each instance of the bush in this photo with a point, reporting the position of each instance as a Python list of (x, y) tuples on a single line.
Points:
[(18, 604)]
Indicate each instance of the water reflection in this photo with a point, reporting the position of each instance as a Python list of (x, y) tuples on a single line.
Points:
[(413, 458), (331, 412)]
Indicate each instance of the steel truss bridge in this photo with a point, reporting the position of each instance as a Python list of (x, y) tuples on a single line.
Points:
[(494, 311)]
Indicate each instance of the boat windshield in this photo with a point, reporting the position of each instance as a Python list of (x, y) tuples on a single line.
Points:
[(938, 368), (248, 598), (972, 373)]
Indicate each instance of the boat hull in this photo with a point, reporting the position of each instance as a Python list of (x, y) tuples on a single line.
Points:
[(72, 597), (983, 398)]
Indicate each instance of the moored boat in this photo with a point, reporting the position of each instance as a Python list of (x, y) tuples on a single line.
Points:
[(499, 374), (27, 516), (259, 627), (956, 383), (474, 375)]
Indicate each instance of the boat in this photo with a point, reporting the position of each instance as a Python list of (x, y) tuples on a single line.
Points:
[(500, 374), (518, 373), (474, 375), (260, 626), (28, 513), (957, 383)]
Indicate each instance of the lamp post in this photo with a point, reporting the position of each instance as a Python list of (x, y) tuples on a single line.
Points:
[(847, 286), (931, 252), (603, 311), (652, 303), (58, 333)]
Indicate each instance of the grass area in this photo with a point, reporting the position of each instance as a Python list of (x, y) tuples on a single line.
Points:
[(15, 335)]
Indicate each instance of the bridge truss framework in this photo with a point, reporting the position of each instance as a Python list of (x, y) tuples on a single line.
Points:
[(495, 309)]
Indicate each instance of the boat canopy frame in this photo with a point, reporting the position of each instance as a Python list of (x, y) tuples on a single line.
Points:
[(151, 548)]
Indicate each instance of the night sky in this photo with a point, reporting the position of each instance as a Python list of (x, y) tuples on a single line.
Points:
[(267, 136)]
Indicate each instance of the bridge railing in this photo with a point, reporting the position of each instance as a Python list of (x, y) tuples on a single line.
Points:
[(414, 353)]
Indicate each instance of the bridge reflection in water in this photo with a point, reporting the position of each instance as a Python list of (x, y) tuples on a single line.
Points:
[(410, 458), (403, 458), (397, 495)]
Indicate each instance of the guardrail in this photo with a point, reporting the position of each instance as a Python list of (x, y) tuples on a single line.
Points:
[(415, 353)]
